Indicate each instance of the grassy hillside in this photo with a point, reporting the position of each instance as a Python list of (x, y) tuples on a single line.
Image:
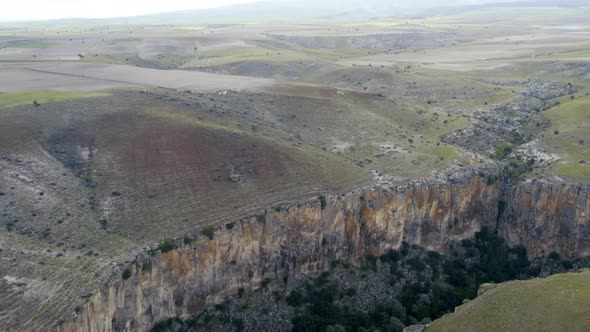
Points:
[(28, 98), (556, 303), (569, 138)]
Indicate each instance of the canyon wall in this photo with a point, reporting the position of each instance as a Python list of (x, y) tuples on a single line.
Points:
[(289, 243), (545, 217)]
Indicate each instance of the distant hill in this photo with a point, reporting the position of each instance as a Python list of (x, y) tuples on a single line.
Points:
[(289, 10), (301, 10)]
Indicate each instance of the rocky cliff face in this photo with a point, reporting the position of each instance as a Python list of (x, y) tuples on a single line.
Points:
[(545, 217), (291, 243)]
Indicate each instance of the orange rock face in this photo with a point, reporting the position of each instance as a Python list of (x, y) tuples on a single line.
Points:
[(547, 217)]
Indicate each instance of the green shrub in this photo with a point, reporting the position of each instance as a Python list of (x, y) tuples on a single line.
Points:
[(229, 226), (295, 298), (433, 259), (323, 202), (515, 168), (323, 278), (371, 262), (167, 245), (502, 151), (517, 139), (416, 264), (238, 324), (395, 325), (567, 265), (455, 271), (397, 309), (336, 328), (126, 274), (443, 299), (405, 248), (391, 256), (241, 292), (491, 180), (208, 231)]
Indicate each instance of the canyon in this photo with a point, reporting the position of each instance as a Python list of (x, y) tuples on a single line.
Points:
[(290, 242)]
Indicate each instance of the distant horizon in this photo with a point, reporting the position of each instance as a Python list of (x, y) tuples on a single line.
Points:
[(106, 9), (112, 9)]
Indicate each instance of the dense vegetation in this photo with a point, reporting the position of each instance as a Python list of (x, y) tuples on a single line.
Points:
[(441, 283), (428, 285)]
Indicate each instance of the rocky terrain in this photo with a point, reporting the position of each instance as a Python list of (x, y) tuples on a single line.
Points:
[(508, 123)]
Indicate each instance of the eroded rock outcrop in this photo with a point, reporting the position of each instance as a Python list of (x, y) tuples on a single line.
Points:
[(295, 241)]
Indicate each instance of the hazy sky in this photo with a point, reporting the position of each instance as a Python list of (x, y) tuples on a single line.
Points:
[(51, 9)]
